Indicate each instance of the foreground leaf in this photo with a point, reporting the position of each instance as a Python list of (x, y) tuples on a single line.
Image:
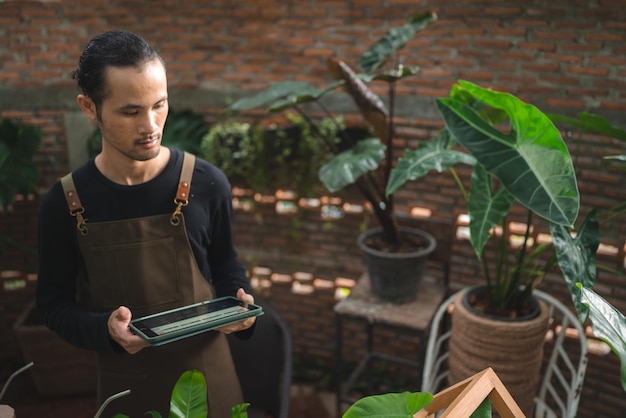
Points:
[(390, 405), (608, 324), (240, 411), (189, 397)]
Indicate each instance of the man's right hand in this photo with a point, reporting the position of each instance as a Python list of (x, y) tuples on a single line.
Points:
[(119, 330)]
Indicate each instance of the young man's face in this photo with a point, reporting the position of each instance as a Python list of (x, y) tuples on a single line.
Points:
[(133, 114)]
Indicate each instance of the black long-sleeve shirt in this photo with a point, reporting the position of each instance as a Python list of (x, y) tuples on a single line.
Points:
[(208, 218)]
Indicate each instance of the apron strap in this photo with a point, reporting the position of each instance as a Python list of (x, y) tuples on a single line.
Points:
[(73, 202), (181, 199), (184, 185)]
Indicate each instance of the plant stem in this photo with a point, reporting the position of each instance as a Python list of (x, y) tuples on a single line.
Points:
[(459, 183), (514, 283)]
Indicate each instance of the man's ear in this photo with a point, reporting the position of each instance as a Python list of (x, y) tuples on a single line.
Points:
[(87, 106)]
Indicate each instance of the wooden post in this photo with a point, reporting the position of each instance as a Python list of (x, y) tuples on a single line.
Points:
[(463, 398), (6, 411)]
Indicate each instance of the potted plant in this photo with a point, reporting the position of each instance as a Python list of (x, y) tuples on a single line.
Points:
[(269, 155), (189, 400), (19, 174), (395, 256), (234, 147), (527, 165)]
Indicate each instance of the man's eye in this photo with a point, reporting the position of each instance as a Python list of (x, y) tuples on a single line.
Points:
[(130, 113)]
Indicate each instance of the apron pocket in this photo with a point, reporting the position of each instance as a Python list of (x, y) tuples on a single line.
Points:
[(140, 275)]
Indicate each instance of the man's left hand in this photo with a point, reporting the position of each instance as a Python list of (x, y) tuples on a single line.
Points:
[(241, 325)]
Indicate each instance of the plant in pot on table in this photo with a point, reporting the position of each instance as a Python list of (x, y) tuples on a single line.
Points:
[(530, 166), (395, 256)]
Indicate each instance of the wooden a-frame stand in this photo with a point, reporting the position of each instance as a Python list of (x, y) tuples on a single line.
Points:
[(462, 399)]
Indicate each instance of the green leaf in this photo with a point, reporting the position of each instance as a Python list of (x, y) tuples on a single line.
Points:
[(486, 209), (389, 405), (304, 96), (433, 155), (18, 172), (189, 397), (345, 168), (483, 410), (395, 39), (608, 324), (274, 92), (399, 74), (576, 257), (369, 103), (240, 411), (532, 161), (184, 130), (589, 122)]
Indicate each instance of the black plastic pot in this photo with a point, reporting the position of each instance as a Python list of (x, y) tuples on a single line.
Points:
[(395, 277)]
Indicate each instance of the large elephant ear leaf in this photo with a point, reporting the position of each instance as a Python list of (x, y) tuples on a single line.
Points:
[(577, 257), (377, 54), (486, 207), (347, 167), (608, 324), (531, 161), (369, 103)]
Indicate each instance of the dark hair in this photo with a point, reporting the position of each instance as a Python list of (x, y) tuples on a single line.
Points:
[(117, 48)]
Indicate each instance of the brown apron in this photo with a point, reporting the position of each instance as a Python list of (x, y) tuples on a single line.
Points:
[(147, 265)]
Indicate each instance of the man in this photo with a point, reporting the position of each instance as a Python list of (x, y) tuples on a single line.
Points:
[(135, 231)]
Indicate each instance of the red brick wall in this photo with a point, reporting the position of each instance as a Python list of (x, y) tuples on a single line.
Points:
[(561, 55)]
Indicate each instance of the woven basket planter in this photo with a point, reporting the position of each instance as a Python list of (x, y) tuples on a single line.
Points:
[(514, 349)]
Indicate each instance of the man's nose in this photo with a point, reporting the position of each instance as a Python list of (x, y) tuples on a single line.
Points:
[(148, 124)]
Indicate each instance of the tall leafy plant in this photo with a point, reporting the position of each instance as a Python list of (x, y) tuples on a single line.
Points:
[(528, 163), (525, 162), (365, 163)]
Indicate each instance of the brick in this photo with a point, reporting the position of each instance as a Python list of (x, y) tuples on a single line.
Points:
[(580, 104), (503, 11), (529, 23), (604, 37), (538, 46), (598, 72), (573, 48), (613, 106)]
